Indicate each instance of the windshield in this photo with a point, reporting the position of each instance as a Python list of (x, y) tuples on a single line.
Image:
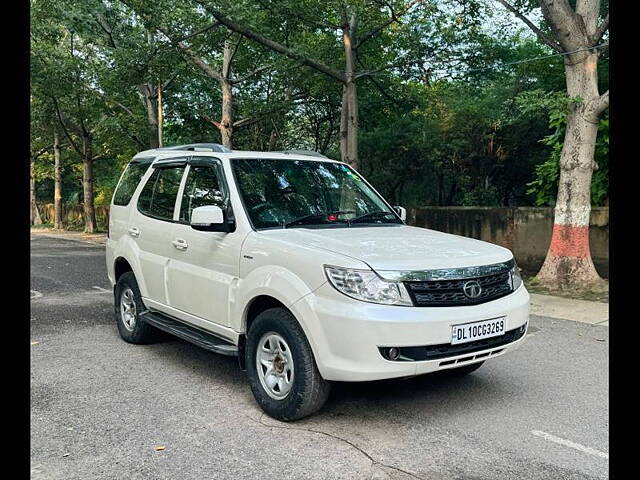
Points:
[(293, 193)]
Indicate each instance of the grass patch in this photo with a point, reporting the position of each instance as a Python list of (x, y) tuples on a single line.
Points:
[(43, 226)]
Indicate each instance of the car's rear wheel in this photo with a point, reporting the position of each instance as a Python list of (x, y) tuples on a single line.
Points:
[(283, 375), (128, 307)]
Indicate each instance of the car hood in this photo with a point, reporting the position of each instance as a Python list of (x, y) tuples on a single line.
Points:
[(397, 247)]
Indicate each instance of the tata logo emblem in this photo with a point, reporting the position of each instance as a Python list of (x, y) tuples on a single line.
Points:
[(472, 289)]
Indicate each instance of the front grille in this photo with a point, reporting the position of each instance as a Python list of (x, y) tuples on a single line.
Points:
[(434, 352), (448, 293)]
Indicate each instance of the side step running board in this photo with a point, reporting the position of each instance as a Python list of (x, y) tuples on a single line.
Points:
[(198, 337)]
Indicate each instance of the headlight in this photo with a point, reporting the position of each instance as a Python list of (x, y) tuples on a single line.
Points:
[(516, 279), (365, 285)]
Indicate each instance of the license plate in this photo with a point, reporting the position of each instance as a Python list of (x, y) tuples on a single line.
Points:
[(469, 332)]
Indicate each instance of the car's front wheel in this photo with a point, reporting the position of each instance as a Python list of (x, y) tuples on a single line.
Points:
[(283, 375)]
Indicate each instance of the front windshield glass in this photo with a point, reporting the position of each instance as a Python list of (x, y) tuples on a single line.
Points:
[(296, 193)]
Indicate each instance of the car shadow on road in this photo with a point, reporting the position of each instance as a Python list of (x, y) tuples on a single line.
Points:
[(430, 393), (438, 392)]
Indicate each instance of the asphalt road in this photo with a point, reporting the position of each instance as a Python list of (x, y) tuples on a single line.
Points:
[(100, 407)]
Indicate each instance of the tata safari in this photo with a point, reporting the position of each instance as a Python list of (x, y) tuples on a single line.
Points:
[(296, 265)]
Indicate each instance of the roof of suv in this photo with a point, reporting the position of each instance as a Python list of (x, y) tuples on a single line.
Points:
[(216, 150)]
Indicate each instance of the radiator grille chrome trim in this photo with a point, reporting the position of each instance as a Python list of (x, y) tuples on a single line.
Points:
[(461, 273)]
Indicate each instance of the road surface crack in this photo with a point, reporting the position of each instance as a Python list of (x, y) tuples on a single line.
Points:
[(374, 462)]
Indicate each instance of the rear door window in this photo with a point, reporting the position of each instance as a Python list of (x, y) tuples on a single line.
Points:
[(202, 188), (128, 183), (158, 197)]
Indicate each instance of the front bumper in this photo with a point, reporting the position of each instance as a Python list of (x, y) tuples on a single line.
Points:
[(346, 334)]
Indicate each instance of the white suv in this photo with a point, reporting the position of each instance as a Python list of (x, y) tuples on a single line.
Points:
[(296, 265)]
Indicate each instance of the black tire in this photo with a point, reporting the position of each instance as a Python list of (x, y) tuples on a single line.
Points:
[(462, 371), (309, 391), (141, 332)]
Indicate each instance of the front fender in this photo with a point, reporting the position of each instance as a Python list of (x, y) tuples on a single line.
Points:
[(271, 280)]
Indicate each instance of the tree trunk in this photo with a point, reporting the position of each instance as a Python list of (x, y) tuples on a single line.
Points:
[(226, 122), (35, 215), (568, 263), (349, 116), (344, 128), (151, 106), (87, 185), (273, 138), (57, 187), (160, 109), (352, 125)]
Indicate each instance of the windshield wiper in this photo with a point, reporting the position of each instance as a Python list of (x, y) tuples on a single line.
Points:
[(370, 216), (314, 216)]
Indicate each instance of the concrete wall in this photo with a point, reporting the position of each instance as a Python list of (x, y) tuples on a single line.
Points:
[(526, 231)]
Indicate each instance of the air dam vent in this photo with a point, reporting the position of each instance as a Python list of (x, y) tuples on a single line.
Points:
[(435, 352)]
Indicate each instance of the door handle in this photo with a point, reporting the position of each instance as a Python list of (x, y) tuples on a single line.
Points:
[(134, 231), (180, 244)]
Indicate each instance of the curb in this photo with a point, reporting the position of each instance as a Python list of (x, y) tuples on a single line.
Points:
[(94, 238), (583, 311)]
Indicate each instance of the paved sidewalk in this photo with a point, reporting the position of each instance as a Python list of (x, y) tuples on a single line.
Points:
[(96, 238), (593, 313)]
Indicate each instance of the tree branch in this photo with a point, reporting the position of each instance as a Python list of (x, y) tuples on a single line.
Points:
[(251, 120), (601, 104), (235, 50), (169, 80), (195, 59), (539, 33), (102, 23), (399, 63), (132, 136), (250, 74), (197, 32), (267, 42), (207, 118), (395, 17), (377, 85), (64, 126), (35, 155), (201, 64)]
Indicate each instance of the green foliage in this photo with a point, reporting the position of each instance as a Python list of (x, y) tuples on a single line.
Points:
[(544, 187), (457, 118)]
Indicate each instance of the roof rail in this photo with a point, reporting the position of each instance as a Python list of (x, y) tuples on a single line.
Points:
[(310, 153), (200, 147)]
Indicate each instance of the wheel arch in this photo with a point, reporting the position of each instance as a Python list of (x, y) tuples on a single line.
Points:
[(255, 307), (120, 266)]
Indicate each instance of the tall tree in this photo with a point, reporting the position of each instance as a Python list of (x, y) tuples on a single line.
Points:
[(137, 58), (57, 190), (575, 32), (36, 219), (349, 18)]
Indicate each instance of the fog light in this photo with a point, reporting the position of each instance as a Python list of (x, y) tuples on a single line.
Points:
[(393, 353)]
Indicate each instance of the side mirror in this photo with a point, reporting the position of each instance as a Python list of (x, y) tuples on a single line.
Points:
[(402, 212), (209, 218)]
